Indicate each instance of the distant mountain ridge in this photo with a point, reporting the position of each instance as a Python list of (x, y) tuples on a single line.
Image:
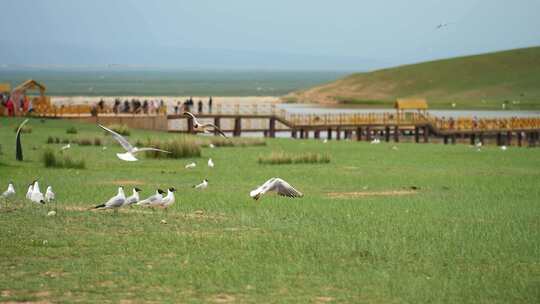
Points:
[(511, 77)]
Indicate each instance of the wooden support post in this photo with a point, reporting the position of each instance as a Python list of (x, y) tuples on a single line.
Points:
[(317, 134), (473, 139), (387, 133), (445, 139), (426, 134), (509, 138), (190, 128), (453, 139), (338, 133), (293, 133), (217, 122), (368, 134), (396, 133), (272, 127), (306, 134), (520, 138), (329, 133), (237, 127), (499, 139), (481, 138), (359, 133), (416, 134), (301, 133)]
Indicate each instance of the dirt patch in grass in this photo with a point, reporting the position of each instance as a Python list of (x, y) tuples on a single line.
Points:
[(126, 182), (370, 193), (223, 298), (323, 299)]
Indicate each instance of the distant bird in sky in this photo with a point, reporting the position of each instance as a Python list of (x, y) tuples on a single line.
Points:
[(154, 200), (190, 165), (65, 147), (114, 202), (18, 148), (204, 127), (49, 195), (442, 25), (277, 185), (134, 198), (10, 191), (36, 196), (169, 199), (131, 150), (202, 185), (210, 163)]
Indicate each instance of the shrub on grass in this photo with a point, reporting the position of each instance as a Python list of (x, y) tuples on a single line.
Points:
[(50, 140), (236, 142), (84, 142), (180, 147), (71, 130), (120, 129), (25, 129), (65, 141), (56, 140), (97, 141), (53, 160), (280, 158)]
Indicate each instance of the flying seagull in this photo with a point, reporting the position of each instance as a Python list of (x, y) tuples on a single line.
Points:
[(114, 202), (10, 191), (19, 151), (134, 198), (131, 150), (153, 200), (202, 185), (277, 185), (441, 25), (36, 196), (204, 127)]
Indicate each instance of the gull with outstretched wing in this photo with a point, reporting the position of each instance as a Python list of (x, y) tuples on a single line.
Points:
[(204, 126), (131, 150), (275, 184)]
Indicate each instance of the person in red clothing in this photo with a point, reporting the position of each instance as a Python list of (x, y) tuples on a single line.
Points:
[(11, 107)]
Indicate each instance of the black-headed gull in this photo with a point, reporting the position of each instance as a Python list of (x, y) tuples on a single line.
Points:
[(134, 198), (204, 127), (114, 202), (131, 150), (277, 185), (153, 200), (10, 191), (202, 185), (169, 199)]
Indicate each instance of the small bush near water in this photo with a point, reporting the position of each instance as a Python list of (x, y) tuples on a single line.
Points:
[(71, 130), (280, 158), (180, 147), (53, 160)]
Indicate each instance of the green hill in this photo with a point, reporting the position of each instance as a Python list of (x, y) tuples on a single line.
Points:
[(480, 81)]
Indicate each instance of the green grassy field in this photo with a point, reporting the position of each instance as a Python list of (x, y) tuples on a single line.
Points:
[(470, 234), (483, 81)]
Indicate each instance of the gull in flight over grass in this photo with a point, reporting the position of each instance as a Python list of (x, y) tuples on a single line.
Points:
[(204, 127), (154, 200), (134, 198), (10, 191), (114, 202), (131, 150), (190, 165), (275, 184), (210, 163), (18, 148), (36, 196), (202, 185)]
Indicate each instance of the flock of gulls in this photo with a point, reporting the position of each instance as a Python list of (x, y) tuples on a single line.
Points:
[(160, 199)]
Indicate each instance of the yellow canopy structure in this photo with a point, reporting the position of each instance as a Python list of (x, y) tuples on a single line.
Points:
[(418, 104), (30, 84)]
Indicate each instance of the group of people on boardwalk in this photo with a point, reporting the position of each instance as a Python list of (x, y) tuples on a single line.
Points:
[(15, 105), (188, 104)]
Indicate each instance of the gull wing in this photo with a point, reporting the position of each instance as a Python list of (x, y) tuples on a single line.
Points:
[(215, 128), (119, 138), (18, 149), (151, 149), (256, 193), (192, 116), (115, 202), (126, 156), (285, 189)]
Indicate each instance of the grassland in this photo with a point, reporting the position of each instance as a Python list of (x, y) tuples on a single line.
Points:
[(483, 81), (469, 234)]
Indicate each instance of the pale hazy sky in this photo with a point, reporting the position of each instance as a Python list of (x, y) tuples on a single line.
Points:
[(281, 34)]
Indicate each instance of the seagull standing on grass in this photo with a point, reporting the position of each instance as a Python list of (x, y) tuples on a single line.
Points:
[(210, 163), (10, 191), (114, 202), (503, 148), (191, 165), (134, 198), (169, 199), (36, 196), (49, 195), (131, 150), (152, 200), (65, 147), (277, 185), (204, 127), (202, 185), (29, 191)]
